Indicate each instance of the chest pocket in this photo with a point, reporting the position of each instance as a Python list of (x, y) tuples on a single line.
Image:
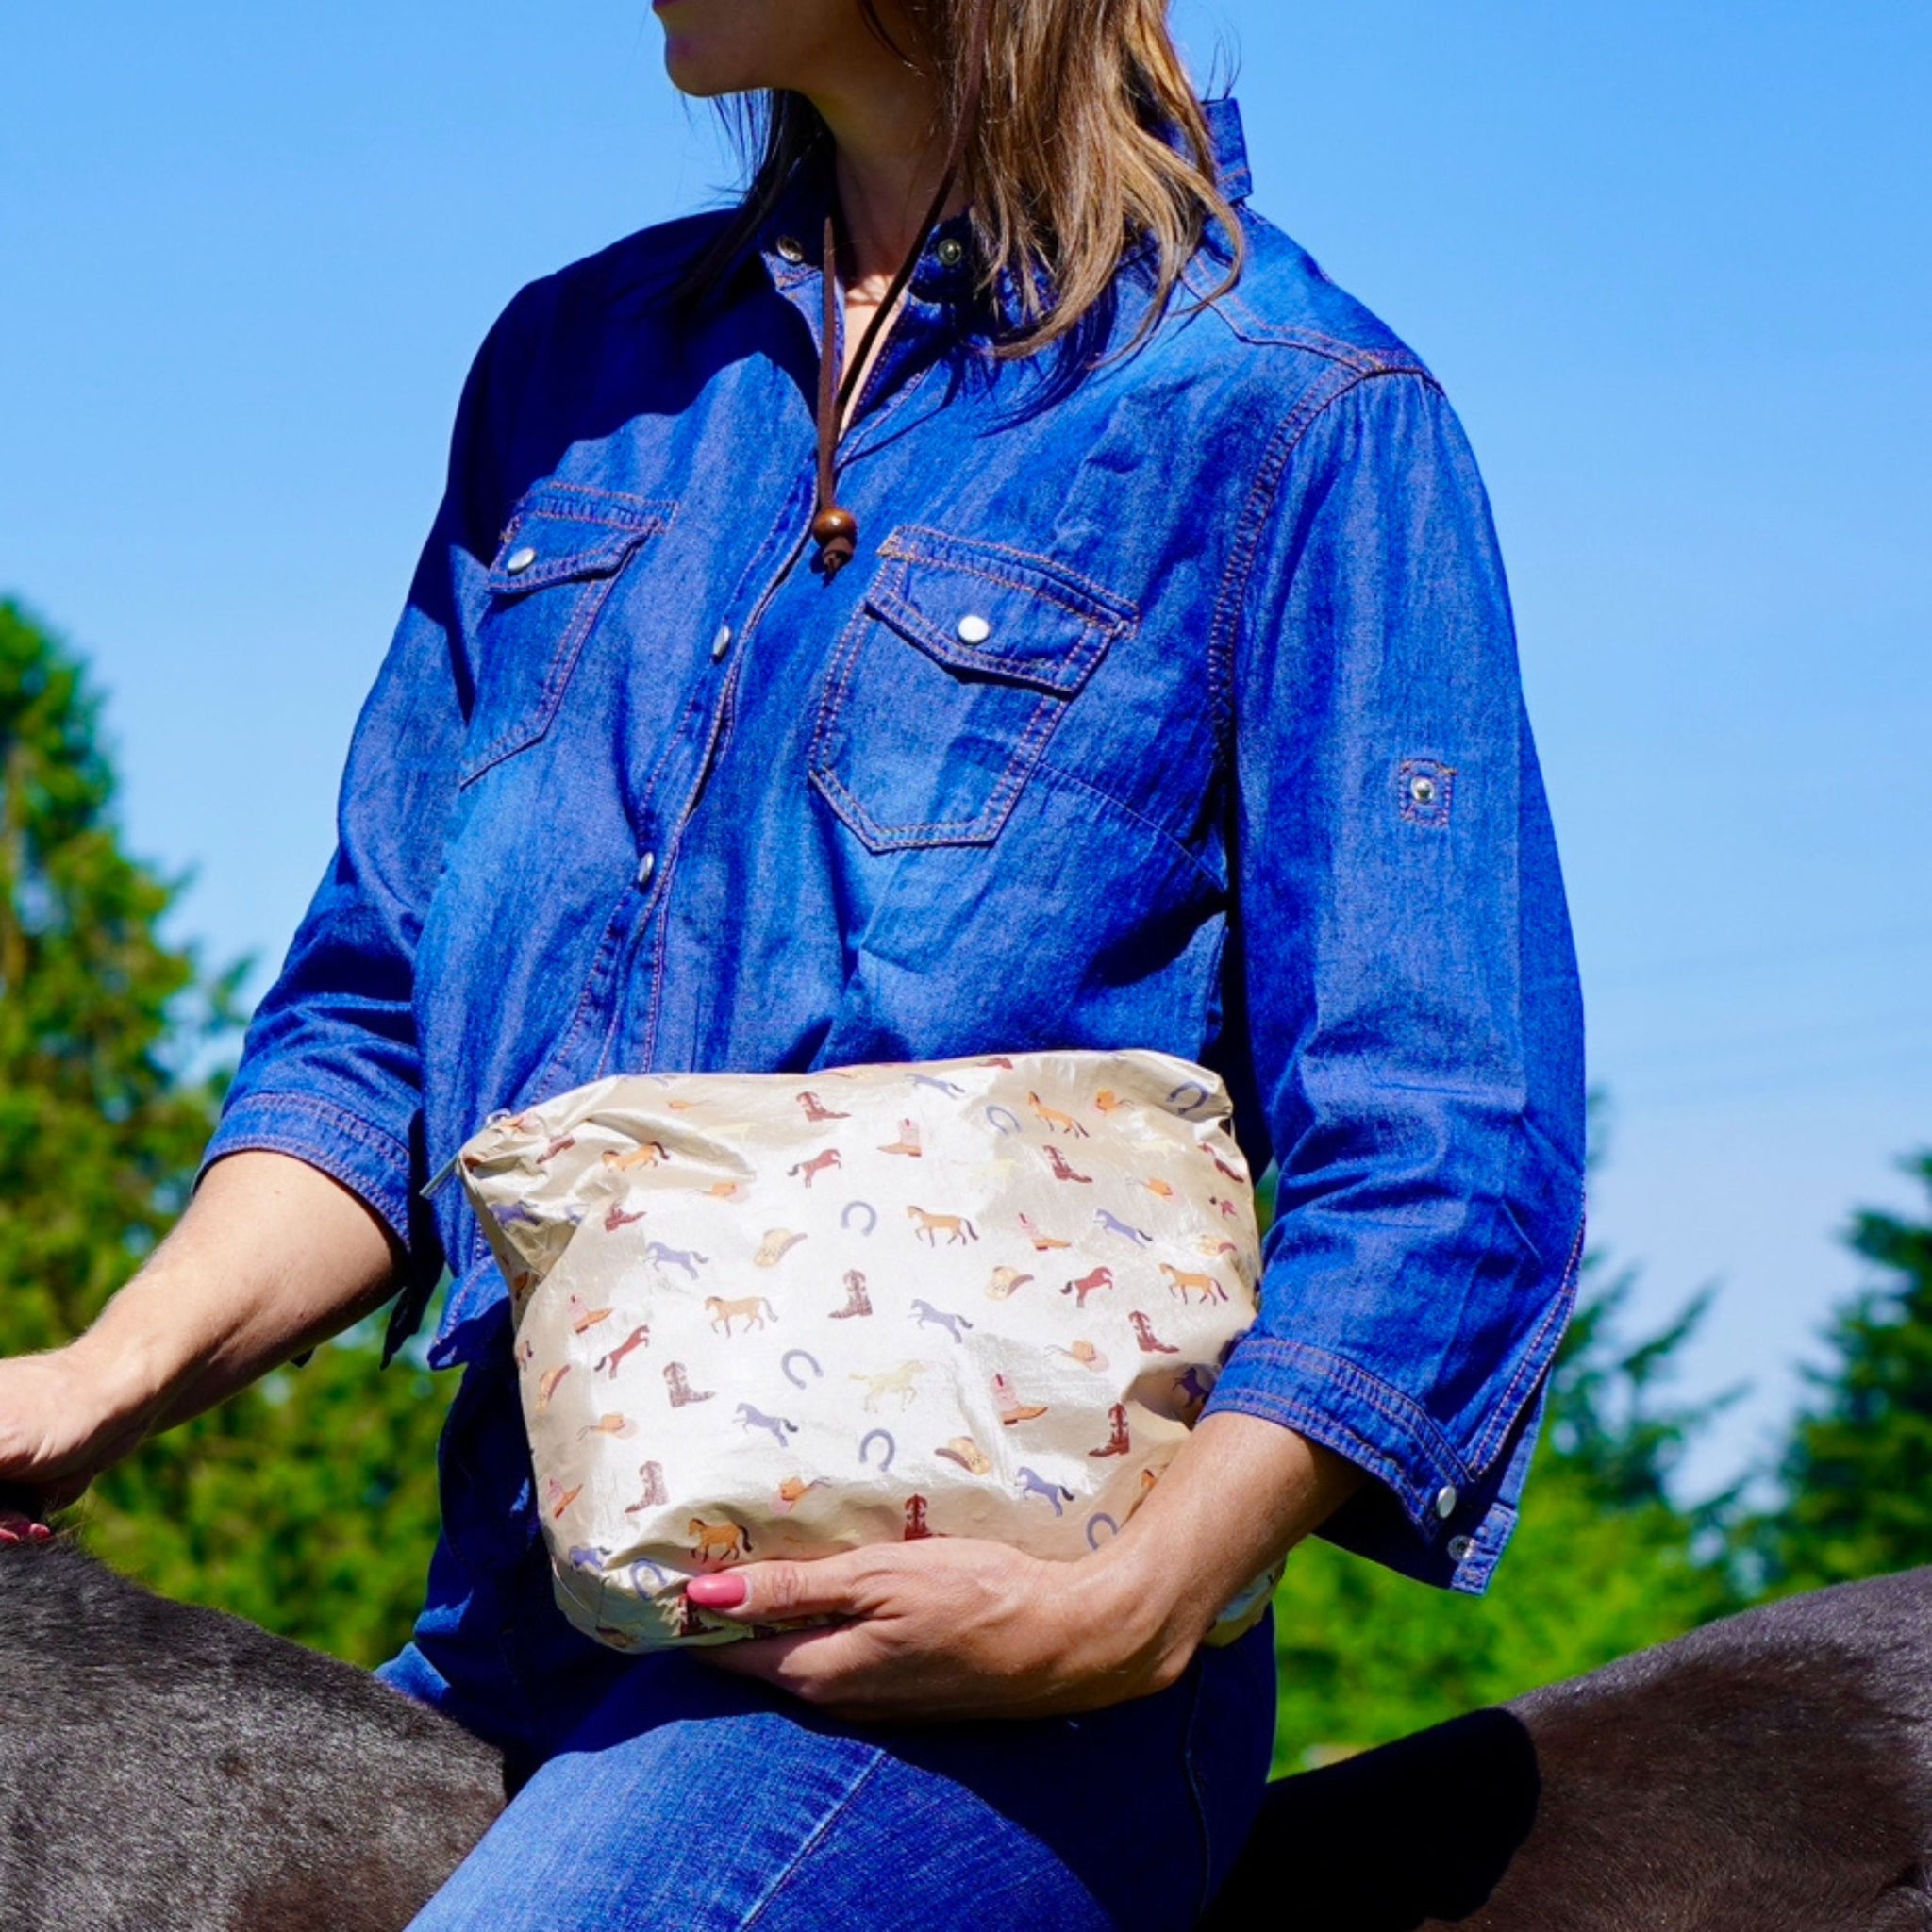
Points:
[(948, 686), (555, 569)]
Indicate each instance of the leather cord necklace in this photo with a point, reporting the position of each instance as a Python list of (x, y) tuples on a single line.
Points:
[(834, 528)]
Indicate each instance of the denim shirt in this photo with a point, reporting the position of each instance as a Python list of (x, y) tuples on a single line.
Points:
[(1171, 701)]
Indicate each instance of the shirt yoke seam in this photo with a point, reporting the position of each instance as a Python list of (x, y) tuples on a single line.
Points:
[(1230, 604)]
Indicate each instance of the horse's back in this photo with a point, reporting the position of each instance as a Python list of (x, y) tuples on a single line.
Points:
[(1772, 1772), (170, 1768)]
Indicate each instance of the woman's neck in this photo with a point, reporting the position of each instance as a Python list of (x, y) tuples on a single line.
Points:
[(889, 151)]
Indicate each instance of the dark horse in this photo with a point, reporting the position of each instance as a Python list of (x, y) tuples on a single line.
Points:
[(173, 1770), (169, 1769), (1770, 1774)]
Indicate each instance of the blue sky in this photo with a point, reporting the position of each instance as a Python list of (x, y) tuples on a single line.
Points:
[(1671, 262)]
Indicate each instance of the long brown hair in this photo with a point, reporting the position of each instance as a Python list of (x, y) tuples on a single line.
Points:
[(1088, 144)]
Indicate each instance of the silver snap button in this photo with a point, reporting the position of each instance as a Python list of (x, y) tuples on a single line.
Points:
[(1423, 790), (722, 642), (519, 561), (1460, 1547), (790, 247), (647, 866), (1447, 1499), (951, 252), (973, 630)]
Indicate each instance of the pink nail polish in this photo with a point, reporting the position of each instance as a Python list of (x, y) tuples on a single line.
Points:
[(717, 1592), (38, 1533)]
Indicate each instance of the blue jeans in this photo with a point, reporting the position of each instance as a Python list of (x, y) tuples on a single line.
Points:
[(692, 1802)]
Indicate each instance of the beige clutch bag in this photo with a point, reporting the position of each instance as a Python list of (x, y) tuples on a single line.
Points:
[(783, 1315)]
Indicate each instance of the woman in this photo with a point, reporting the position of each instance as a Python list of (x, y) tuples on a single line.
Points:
[(1103, 644)]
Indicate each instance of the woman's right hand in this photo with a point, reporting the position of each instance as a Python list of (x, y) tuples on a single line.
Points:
[(271, 1257), (64, 1417)]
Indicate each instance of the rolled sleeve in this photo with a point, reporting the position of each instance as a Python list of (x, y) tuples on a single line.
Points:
[(366, 1158), (1403, 959)]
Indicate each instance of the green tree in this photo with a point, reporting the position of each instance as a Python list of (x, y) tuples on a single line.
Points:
[(99, 1128), (1604, 1562), (306, 1503), (1857, 1476)]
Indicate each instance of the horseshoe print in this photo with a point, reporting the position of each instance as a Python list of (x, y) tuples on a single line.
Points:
[(644, 1595), (800, 1354)]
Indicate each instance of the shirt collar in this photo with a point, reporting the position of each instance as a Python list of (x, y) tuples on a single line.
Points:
[(792, 237), (1231, 145)]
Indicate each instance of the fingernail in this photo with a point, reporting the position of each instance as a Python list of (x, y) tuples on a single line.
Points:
[(38, 1533), (9, 1536), (717, 1592)]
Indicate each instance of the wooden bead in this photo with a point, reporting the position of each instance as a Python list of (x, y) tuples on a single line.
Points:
[(835, 531), (832, 522)]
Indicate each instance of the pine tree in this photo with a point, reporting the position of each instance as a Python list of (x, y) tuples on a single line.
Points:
[(99, 1126), (1858, 1478), (307, 1503)]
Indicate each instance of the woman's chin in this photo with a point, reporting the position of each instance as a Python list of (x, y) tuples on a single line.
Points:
[(691, 73)]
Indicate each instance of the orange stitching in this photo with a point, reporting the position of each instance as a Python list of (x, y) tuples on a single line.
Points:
[(1119, 611)]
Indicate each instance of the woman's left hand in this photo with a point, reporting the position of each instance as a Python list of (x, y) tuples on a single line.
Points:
[(949, 1629)]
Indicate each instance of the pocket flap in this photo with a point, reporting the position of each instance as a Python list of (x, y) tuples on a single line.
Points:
[(560, 533), (987, 611)]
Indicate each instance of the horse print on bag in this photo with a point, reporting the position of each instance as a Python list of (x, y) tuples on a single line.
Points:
[(753, 1311), (774, 1241)]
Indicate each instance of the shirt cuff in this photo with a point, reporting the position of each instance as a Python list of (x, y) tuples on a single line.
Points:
[(373, 1164), (1429, 1514)]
